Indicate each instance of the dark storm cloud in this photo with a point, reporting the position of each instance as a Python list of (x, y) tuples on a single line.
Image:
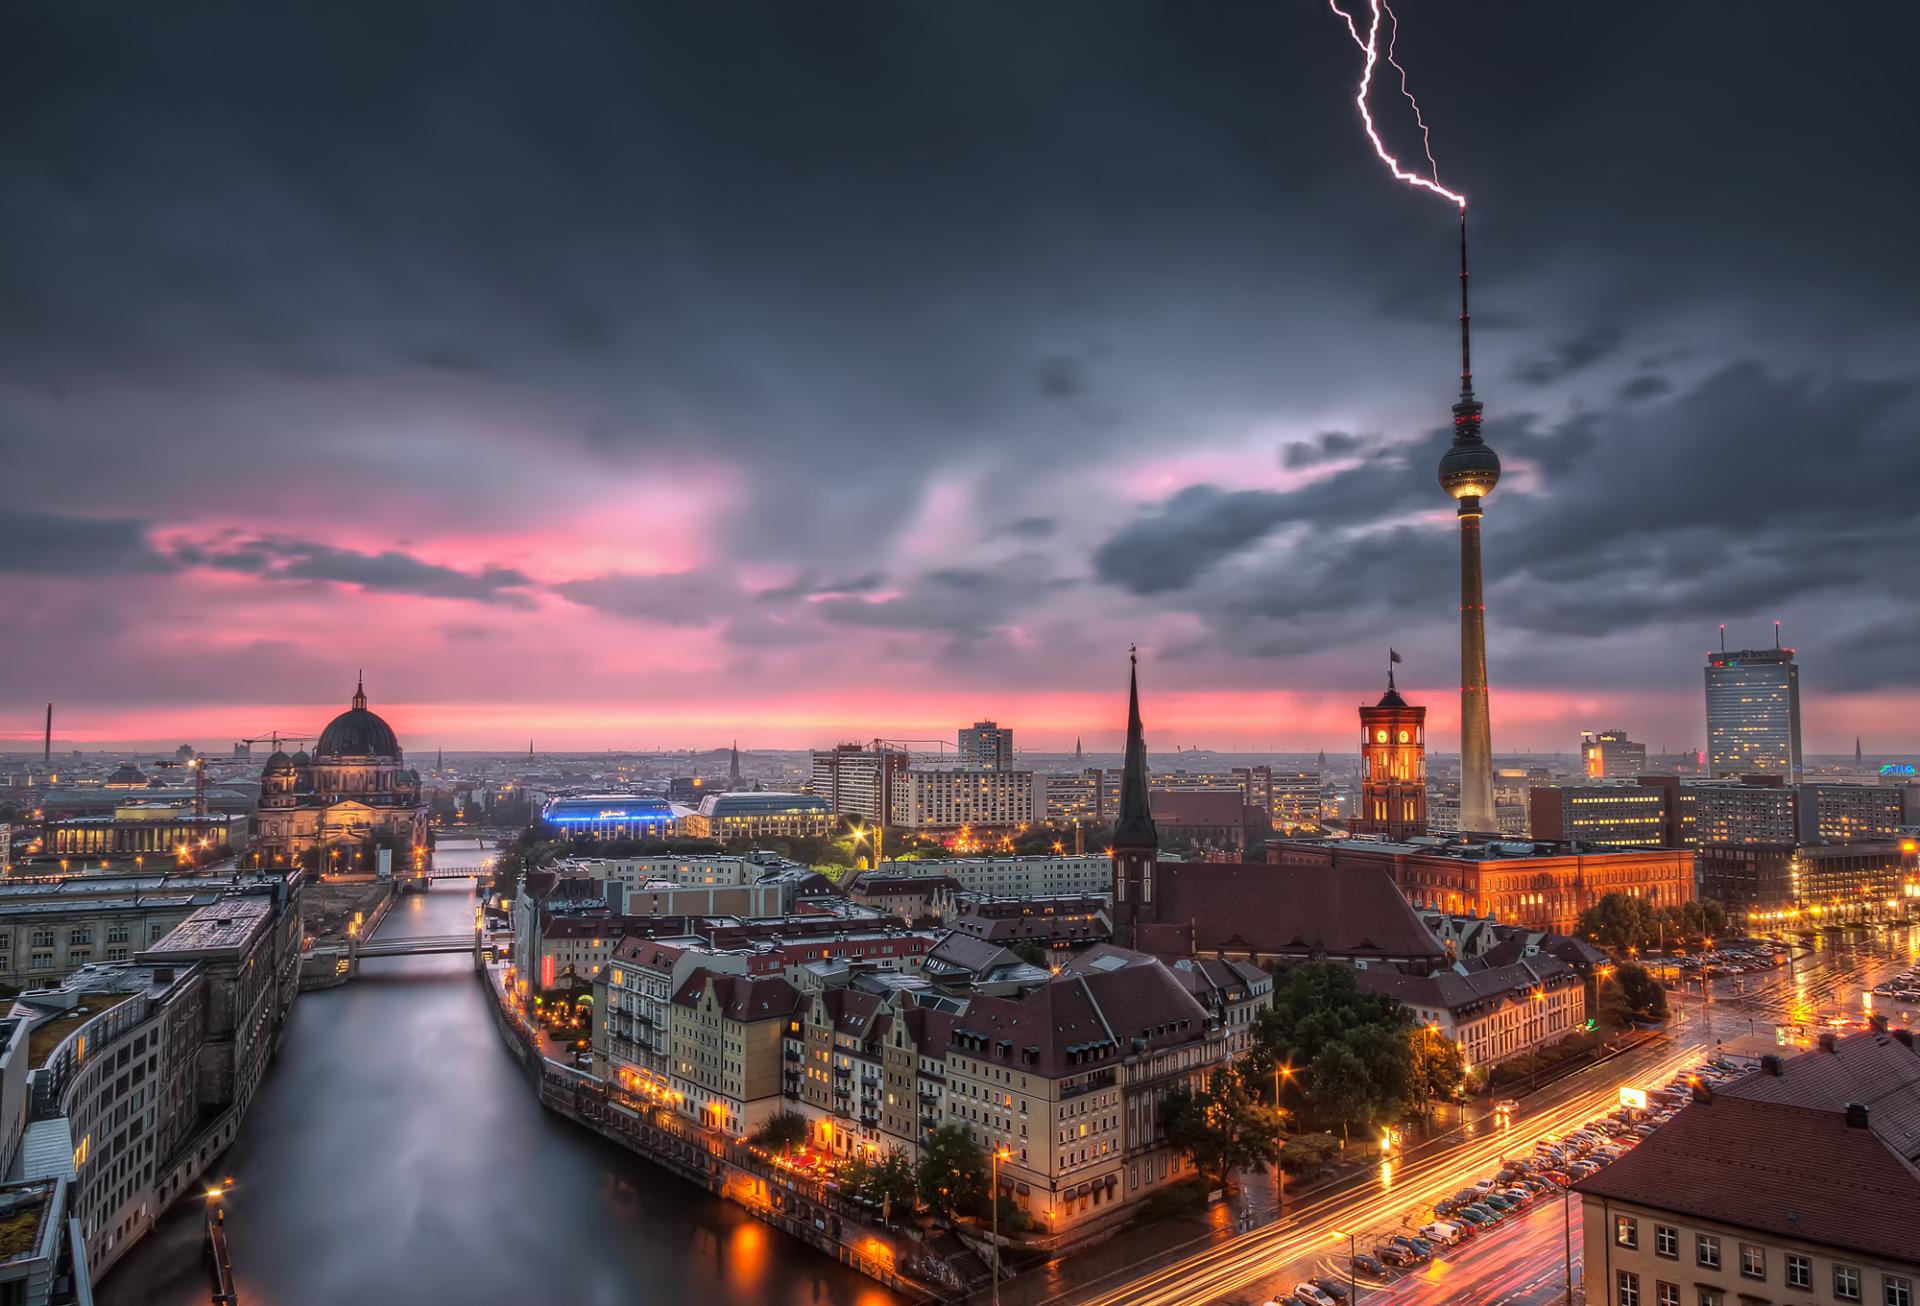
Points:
[(1645, 387), (389, 572), (1328, 446), (1570, 356), (1721, 500), (60, 544), (1029, 528)]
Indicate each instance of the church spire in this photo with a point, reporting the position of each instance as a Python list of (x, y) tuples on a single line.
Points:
[(1133, 822), (359, 691), (733, 763)]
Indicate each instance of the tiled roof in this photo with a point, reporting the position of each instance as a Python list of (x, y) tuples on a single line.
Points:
[(1079, 1022), (1457, 992), (1774, 1152), (1325, 910), (741, 997)]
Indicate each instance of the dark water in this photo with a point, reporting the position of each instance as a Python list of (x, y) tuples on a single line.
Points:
[(395, 1154)]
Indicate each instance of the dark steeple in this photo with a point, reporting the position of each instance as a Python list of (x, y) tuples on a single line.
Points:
[(360, 691), (1858, 756), (1133, 822), (733, 764)]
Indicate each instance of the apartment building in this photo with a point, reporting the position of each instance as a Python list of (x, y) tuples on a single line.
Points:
[(926, 799), (1044, 876), (1495, 1013), (726, 1048)]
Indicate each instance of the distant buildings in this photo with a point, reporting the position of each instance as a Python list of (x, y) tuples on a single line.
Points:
[(857, 781), (612, 816), (755, 814), (1610, 755), (1753, 714), (949, 800), (986, 746), (1795, 1182), (1003, 877), (354, 795), (158, 832)]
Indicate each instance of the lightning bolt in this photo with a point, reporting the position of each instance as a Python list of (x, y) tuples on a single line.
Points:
[(1370, 44)]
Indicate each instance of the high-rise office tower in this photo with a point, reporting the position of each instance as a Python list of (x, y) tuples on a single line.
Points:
[(985, 746), (1753, 713), (1468, 472)]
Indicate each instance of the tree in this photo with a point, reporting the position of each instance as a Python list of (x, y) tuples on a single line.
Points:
[(1308, 1154), (1339, 1091), (1440, 1067), (1619, 922), (1354, 1046), (953, 1172), (1640, 991), (1030, 951), (1221, 1127), (784, 1130), (892, 1186)]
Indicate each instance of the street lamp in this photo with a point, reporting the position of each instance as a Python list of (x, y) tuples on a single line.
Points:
[(1353, 1273), (999, 1154)]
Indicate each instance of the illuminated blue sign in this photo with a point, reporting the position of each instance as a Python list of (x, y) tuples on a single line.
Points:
[(1897, 768)]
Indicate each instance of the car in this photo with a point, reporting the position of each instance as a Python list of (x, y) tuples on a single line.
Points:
[(1308, 1295), (1370, 1265), (1474, 1216), (1423, 1246), (1520, 1197), (1331, 1287), (1420, 1254), (1395, 1255), (1444, 1233)]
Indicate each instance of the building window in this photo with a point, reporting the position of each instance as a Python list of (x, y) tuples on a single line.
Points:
[(1799, 1271), (1899, 1292), (1666, 1241), (1753, 1262), (1846, 1282), (1707, 1250), (1666, 1294), (1629, 1293), (1626, 1231), (1711, 1297)]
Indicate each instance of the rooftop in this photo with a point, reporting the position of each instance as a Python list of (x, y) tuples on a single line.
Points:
[(46, 1037), (229, 924)]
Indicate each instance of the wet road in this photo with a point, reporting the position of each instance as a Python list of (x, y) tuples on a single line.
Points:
[(395, 1153)]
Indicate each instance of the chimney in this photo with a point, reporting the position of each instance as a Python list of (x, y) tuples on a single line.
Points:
[(1702, 1093), (1828, 1043), (1856, 1115), (1773, 1065), (1905, 1036), (1877, 1023)]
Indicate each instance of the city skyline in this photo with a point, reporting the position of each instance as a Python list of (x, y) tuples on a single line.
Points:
[(557, 449)]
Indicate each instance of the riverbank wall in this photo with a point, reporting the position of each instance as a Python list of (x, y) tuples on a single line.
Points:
[(800, 1207)]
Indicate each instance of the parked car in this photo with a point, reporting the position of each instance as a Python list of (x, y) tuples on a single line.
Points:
[(1308, 1295), (1370, 1265), (1441, 1232), (1395, 1255), (1332, 1287), (1413, 1249)]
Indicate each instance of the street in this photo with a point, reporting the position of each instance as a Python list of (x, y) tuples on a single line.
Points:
[(1523, 1261)]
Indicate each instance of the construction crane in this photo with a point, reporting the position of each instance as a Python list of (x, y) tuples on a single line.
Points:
[(274, 737)]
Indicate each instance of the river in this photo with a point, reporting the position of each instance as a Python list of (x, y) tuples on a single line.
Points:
[(396, 1154)]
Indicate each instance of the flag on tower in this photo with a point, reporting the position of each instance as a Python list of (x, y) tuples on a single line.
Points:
[(1392, 656)]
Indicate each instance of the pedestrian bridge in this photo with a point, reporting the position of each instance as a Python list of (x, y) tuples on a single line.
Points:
[(417, 946)]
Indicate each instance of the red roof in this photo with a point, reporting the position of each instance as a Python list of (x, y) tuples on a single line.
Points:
[(1299, 910)]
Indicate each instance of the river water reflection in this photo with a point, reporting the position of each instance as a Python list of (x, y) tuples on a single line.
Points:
[(395, 1154)]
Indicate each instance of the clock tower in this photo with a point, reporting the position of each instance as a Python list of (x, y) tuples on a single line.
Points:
[(1393, 767)]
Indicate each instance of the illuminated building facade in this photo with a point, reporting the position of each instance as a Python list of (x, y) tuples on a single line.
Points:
[(751, 814), (1753, 714), (1537, 885), (1602, 816), (612, 816), (1610, 755), (355, 791), (926, 799), (726, 1040), (1495, 1013), (858, 781), (1393, 768)]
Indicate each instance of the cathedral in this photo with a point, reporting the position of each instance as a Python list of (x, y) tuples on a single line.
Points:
[(337, 809)]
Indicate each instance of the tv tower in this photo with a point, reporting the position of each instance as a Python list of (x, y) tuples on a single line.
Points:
[(1468, 472)]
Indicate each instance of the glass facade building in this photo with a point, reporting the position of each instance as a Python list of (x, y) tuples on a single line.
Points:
[(1753, 714)]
